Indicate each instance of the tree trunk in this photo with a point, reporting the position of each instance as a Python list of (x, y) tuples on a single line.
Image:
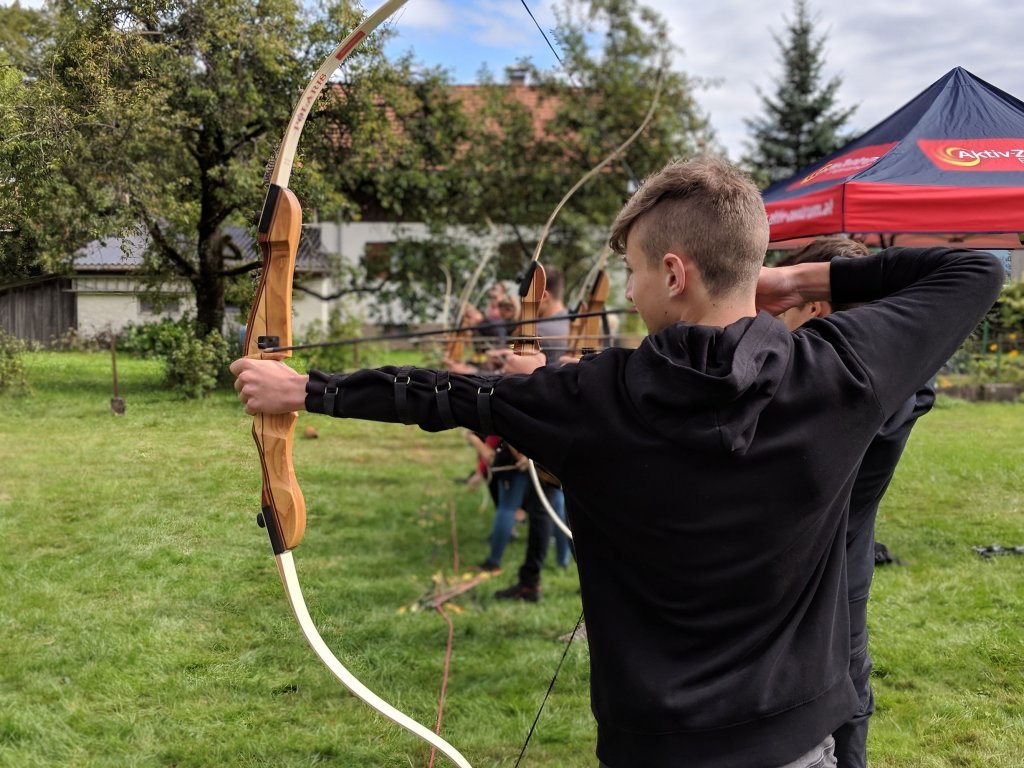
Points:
[(209, 303), (209, 287)]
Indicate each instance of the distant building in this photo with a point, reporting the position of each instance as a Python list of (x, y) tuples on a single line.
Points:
[(105, 292)]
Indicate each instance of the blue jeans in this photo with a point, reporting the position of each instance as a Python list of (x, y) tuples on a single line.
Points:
[(511, 492), (563, 548), (822, 756)]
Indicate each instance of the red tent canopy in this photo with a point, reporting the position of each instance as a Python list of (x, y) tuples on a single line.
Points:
[(946, 167)]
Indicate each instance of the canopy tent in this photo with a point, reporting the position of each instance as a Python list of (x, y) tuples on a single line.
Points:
[(946, 167)]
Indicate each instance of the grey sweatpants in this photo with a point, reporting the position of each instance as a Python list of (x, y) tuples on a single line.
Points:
[(822, 756)]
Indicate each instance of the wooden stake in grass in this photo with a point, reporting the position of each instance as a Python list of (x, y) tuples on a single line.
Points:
[(117, 404)]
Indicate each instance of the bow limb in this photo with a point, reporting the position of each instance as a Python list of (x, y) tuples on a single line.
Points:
[(543, 497), (601, 279), (290, 579), (289, 144), (598, 168), (269, 326), (447, 295)]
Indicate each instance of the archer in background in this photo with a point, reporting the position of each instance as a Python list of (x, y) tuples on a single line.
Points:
[(708, 472), (553, 324), (496, 294), (513, 488), (873, 477), (508, 313)]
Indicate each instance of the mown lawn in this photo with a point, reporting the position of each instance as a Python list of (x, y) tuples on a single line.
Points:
[(143, 623)]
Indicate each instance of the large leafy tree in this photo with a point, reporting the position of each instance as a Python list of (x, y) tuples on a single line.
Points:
[(159, 115), (801, 121), (614, 59), (526, 151)]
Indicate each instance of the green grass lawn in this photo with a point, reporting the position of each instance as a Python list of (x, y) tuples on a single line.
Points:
[(143, 623)]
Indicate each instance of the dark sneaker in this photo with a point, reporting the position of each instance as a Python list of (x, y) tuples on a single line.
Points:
[(490, 567), (883, 556), (519, 592)]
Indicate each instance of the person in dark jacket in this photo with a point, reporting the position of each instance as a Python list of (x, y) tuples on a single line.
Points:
[(707, 473), (873, 477)]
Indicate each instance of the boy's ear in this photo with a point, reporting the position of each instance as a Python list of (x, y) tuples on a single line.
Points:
[(675, 273)]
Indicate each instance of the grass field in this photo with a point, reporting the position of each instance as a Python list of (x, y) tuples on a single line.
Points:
[(143, 623)]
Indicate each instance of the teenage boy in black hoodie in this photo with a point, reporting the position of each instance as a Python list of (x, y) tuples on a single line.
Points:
[(707, 473)]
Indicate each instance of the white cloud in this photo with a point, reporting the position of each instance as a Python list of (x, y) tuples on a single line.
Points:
[(426, 14), (505, 25), (885, 53)]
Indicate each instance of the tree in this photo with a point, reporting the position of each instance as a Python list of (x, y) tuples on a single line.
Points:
[(801, 122), (517, 165), (520, 148), (22, 34), (160, 115)]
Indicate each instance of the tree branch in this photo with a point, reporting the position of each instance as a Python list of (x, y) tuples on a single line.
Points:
[(168, 251), (241, 269), (338, 294)]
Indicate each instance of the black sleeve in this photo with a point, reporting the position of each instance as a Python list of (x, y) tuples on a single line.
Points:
[(923, 303), (534, 413)]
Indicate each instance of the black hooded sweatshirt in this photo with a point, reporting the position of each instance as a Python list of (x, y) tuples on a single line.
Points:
[(707, 476)]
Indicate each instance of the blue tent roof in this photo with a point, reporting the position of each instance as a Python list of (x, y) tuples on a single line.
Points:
[(949, 161)]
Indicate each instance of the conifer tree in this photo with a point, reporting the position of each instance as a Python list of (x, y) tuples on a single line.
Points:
[(801, 122)]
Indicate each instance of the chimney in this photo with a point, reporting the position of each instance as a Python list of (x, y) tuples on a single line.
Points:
[(516, 75)]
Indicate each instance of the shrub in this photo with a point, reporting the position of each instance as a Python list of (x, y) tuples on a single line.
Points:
[(12, 366), (158, 339), (72, 340), (1007, 314), (994, 352), (195, 366)]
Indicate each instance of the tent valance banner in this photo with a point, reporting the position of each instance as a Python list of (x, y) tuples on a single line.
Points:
[(950, 164)]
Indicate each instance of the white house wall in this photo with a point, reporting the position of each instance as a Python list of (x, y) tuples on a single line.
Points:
[(109, 304), (346, 244)]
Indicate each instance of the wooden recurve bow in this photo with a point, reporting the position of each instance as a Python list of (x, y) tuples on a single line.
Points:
[(284, 510)]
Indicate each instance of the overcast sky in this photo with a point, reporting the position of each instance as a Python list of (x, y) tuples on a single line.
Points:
[(886, 51)]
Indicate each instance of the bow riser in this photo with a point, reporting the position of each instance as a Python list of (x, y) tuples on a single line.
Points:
[(589, 333), (270, 325), (531, 291)]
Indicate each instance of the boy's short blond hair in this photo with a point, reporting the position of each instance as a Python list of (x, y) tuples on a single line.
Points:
[(706, 208)]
